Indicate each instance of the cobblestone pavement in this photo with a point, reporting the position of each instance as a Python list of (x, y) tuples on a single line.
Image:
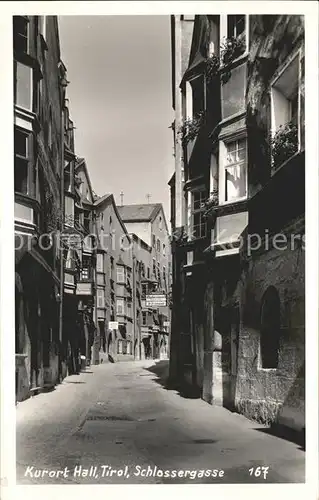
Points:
[(121, 418)]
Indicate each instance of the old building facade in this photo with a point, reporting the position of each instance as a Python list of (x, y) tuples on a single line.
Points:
[(38, 185), (151, 245), (239, 145)]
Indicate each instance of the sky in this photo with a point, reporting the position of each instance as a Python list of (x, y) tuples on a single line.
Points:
[(119, 69)]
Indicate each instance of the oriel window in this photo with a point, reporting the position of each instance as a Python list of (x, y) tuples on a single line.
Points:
[(22, 142)]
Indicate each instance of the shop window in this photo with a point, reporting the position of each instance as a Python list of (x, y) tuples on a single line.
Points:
[(236, 170), (21, 34), (23, 86), (198, 223), (22, 148), (270, 329)]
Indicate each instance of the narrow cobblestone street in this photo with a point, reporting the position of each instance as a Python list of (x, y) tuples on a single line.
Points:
[(122, 415)]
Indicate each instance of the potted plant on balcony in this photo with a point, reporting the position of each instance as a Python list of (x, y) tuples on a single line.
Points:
[(284, 144), (212, 67), (190, 128), (232, 48)]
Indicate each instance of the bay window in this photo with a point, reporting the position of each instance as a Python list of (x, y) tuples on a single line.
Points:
[(23, 85), (236, 170), (22, 147)]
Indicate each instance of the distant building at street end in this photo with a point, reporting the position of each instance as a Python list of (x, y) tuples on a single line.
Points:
[(151, 249)]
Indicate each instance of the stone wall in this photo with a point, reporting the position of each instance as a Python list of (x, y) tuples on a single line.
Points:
[(274, 394)]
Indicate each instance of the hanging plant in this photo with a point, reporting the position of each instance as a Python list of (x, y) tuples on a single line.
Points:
[(212, 67), (284, 144), (213, 199), (190, 128), (232, 48)]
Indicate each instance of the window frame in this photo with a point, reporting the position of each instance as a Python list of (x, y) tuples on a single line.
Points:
[(28, 159), (194, 211), (272, 86), (120, 301), (122, 271), (18, 34), (223, 166), (15, 67), (100, 262), (223, 32), (100, 298)]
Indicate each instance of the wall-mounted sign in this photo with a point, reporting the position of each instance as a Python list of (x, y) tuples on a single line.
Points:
[(156, 300), (113, 325), (166, 324)]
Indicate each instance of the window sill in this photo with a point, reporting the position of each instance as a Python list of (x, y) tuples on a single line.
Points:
[(271, 370)]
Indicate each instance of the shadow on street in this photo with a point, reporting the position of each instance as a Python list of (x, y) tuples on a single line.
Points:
[(161, 370)]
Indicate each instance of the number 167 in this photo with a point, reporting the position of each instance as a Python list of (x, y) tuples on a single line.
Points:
[(258, 471)]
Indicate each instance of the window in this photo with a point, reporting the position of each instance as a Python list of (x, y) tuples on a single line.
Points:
[(120, 274), (270, 328), (23, 86), (21, 162), (124, 347), (69, 259), (86, 268), (154, 266), (148, 273), (100, 298), (164, 273), (235, 170), (69, 211), (160, 224), (144, 290), (120, 307), (144, 318), (158, 246), (87, 221), (153, 240), (198, 224), (164, 250), (236, 25), (100, 263), (21, 34), (285, 111)]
